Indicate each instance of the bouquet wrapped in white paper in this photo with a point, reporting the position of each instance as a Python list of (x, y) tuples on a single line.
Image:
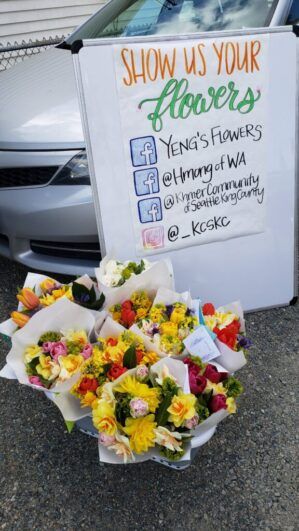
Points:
[(41, 291), (117, 280), (172, 318), (47, 354)]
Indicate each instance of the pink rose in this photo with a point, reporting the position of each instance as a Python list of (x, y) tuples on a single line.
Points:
[(197, 383), (138, 408), (217, 402), (47, 346), (212, 374), (190, 424), (87, 351), (34, 380), (106, 440), (142, 373), (58, 349)]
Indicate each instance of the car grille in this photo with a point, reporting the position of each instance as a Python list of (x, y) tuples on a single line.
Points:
[(23, 177), (83, 251)]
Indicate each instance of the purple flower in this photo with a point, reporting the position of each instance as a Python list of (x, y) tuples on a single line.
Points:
[(58, 349), (244, 342), (155, 329), (169, 310), (87, 351)]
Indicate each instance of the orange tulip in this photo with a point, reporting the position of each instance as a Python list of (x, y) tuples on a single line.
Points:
[(28, 298), (20, 318)]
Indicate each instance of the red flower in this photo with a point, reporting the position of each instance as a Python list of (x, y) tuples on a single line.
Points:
[(127, 317), (111, 342), (192, 367), (228, 335), (88, 384), (139, 356), (115, 371), (208, 309), (217, 402), (197, 383), (127, 305), (212, 374)]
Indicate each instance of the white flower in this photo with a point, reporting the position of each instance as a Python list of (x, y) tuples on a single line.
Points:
[(171, 440), (107, 393), (162, 374), (122, 447)]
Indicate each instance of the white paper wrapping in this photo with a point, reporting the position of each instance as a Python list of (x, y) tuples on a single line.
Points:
[(62, 315), (160, 274)]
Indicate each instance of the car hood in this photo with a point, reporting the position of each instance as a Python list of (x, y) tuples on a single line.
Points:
[(39, 106)]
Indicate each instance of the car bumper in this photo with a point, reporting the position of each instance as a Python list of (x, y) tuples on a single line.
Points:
[(51, 228)]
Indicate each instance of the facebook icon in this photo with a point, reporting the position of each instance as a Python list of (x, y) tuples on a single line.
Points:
[(150, 210), (143, 151), (146, 181)]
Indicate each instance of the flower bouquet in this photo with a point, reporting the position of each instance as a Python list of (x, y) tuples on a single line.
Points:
[(47, 354), (142, 414), (132, 310), (227, 323), (40, 291), (170, 320), (116, 351), (118, 280)]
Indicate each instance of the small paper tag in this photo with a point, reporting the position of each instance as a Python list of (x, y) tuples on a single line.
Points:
[(201, 344)]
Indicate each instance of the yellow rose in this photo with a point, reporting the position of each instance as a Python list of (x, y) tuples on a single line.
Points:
[(104, 418)]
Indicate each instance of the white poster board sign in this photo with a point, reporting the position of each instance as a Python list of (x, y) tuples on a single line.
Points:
[(191, 146)]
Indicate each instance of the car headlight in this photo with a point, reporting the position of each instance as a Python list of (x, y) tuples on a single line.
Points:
[(74, 172)]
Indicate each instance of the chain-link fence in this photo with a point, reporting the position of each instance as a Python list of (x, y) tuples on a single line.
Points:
[(10, 54)]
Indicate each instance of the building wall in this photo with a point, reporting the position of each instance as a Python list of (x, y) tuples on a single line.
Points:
[(22, 20)]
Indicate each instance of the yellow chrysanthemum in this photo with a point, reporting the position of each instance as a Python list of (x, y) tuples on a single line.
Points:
[(231, 405), (218, 389), (88, 399), (149, 358), (140, 299), (132, 387), (178, 314), (171, 345), (182, 408), (103, 417), (141, 433), (141, 313), (157, 313), (31, 352), (169, 329)]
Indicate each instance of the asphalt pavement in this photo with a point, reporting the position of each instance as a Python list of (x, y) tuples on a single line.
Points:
[(243, 479)]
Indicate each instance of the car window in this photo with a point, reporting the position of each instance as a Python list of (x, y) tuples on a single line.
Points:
[(293, 17), (124, 18)]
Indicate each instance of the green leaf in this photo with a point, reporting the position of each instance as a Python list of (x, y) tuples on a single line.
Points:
[(162, 413), (69, 425), (130, 358)]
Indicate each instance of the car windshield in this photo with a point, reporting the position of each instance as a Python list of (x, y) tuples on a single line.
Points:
[(129, 18)]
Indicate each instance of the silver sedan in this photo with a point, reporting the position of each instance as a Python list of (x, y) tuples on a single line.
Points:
[(47, 218)]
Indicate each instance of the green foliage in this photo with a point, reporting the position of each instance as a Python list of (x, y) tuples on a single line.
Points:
[(205, 398), (49, 336), (162, 413), (69, 425), (87, 297), (202, 411), (169, 387), (170, 454), (130, 358), (122, 408), (233, 386), (31, 366), (197, 361)]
